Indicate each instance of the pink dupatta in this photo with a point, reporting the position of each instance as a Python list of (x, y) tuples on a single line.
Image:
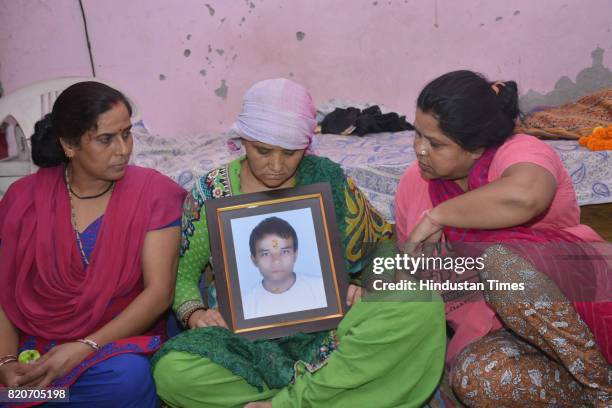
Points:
[(46, 292)]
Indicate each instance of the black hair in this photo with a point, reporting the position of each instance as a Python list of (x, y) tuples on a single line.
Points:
[(75, 112), (468, 109), (272, 225)]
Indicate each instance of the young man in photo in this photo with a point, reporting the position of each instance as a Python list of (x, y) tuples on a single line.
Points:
[(274, 250)]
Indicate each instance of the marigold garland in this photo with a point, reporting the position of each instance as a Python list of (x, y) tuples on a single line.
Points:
[(600, 139)]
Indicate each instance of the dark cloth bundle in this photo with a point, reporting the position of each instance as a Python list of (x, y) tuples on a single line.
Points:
[(352, 121)]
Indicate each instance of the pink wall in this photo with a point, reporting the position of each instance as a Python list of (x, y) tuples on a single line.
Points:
[(365, 50)]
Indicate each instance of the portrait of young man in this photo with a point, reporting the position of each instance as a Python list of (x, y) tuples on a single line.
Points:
[(274, 250)]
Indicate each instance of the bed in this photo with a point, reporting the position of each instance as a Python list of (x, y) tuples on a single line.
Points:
[(375, 162)]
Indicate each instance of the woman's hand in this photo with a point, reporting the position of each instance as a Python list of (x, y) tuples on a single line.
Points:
[(54, 364), (353, 294), (10, 372), (426, 233), (206, 318)]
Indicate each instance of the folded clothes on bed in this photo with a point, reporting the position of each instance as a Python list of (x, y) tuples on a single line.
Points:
[(353, 121), (572, 120)]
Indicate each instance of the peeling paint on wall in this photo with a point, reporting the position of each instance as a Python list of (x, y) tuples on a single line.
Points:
[(189, 36), (220, 51), (517, 12), (591, 79), (221, 91), (499, 18), (211, 10), (300, 35), (269, 43)]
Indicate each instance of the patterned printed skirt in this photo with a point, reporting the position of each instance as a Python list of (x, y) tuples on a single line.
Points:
[(545, 355)]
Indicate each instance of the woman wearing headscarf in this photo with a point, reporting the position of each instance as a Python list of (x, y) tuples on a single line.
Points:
[(88, 253), (382, 354)]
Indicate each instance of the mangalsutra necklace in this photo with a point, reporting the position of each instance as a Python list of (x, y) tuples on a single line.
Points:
[(73, 214)]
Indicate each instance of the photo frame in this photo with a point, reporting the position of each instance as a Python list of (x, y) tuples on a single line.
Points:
[(277, 261)]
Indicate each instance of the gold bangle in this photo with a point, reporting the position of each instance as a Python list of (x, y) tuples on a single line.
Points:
[(8, 359), (90, 343)]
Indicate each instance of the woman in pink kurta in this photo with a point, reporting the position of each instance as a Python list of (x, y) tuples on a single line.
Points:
[(476, 184)]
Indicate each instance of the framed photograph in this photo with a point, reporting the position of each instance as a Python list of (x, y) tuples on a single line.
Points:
[(277, 261)]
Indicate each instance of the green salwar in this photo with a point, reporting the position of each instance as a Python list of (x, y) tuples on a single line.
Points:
[(390, 354)]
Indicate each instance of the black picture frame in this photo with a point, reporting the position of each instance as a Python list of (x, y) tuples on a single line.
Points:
[(316, 197)]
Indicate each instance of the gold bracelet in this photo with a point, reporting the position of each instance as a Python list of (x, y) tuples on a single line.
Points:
[(90, 343), (8, 359)]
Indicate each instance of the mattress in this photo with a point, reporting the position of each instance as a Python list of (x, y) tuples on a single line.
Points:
[(375, 162)]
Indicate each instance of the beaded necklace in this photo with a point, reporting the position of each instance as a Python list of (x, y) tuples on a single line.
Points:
[(73, 216)]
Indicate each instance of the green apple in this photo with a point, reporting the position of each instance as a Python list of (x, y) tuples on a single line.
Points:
[(28, 356)]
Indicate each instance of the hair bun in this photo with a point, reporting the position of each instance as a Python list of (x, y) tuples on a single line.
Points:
[(46, 149), (43, 127), (508, 99)]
